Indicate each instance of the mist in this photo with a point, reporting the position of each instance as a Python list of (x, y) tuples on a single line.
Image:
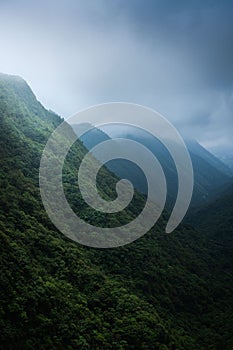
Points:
[(175, 57)]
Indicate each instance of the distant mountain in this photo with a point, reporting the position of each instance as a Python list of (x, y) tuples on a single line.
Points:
[(228, 160), (210, 174), (217, 163)]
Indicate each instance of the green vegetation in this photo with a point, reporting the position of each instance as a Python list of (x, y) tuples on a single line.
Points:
[(216, 219), (161, 292)]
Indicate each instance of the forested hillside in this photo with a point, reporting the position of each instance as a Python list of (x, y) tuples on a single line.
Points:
[(161, 292), (216, 219)]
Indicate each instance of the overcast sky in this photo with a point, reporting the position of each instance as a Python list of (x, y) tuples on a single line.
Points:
[(173, 56)]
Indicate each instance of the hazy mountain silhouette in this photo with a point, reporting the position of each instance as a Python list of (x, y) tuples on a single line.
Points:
[(210, 173)]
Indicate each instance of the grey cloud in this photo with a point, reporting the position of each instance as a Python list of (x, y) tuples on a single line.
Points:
[(174, 56)]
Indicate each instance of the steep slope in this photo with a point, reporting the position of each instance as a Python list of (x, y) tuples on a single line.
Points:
[(228, 160), (210, 174), (161, 292), (47, 282), (216, 218), (195, 148)]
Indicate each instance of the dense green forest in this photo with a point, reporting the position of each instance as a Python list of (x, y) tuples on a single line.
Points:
[(160, 292), (216, 219)]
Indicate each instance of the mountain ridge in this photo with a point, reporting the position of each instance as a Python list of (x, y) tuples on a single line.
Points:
[(210, 174)]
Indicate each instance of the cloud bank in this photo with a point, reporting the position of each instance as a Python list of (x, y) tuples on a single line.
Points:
[(173, 56)]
